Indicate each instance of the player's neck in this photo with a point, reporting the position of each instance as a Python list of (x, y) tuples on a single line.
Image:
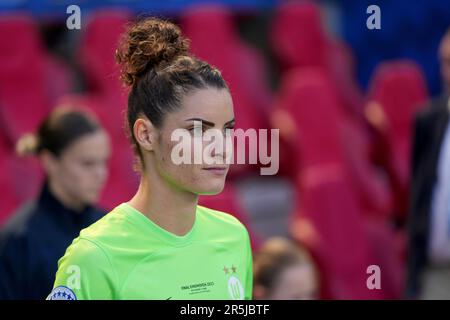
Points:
[(169, 207)]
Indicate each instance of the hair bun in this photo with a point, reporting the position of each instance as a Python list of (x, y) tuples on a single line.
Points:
[(27, 145), (147, 44)]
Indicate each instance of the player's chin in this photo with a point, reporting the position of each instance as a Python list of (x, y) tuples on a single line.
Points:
[(211, 184), (91, 200), (92, 197)]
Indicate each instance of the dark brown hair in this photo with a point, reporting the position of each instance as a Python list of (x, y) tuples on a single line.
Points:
[(159, 70), (62, 127)]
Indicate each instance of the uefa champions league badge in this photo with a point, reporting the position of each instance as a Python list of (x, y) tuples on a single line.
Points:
[(62, 293)]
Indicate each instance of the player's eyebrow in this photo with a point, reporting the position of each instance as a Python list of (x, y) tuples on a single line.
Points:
[(208, 123), (203, 121)]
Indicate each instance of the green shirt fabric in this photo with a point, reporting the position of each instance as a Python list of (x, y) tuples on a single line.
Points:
[(125, 255)]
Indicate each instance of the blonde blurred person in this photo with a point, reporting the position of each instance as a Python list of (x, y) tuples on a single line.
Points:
[(73, 150)]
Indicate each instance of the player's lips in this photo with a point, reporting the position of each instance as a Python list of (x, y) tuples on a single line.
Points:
[(216, 170)]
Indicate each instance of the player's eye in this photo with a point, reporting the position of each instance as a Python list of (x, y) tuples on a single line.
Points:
[(87, 163), (197, 129)]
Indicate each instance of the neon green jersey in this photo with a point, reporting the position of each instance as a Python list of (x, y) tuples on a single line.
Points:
[(125, 255)]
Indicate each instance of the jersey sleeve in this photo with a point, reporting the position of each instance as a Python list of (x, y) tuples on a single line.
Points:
[(248, 294), (85, 272)]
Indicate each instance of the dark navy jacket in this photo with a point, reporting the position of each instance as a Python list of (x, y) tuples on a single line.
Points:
[(32, 242), (430, 126)]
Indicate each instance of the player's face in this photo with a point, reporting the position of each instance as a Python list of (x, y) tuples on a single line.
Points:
[(213, 109), (81, 170)]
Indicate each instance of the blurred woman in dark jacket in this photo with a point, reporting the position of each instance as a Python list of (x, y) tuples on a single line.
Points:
[(73, 150)]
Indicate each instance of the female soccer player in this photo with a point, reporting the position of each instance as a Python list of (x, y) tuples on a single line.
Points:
[(161, 244), (73, 150)]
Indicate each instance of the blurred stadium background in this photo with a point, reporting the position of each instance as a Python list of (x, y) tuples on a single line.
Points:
[(342, 95)]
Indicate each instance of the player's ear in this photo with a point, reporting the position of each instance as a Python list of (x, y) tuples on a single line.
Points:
[(49, 162), (145, 133)]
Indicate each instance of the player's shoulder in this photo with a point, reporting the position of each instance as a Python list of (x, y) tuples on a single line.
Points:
[(221, 220), (84, 252), (96, 241), (84, 265)]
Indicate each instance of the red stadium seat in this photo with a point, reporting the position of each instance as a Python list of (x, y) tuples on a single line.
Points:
[(303, 98), (388, 250), (59, 81), (330, 217), (253, 76), (297, 35), (341, 66), (309, 98), (10, 200), (109, 111), (397, 91), (298, 39), (20, 180), (123, 181), (371, 182), (328, 222), (97, 47), (23, 103)]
